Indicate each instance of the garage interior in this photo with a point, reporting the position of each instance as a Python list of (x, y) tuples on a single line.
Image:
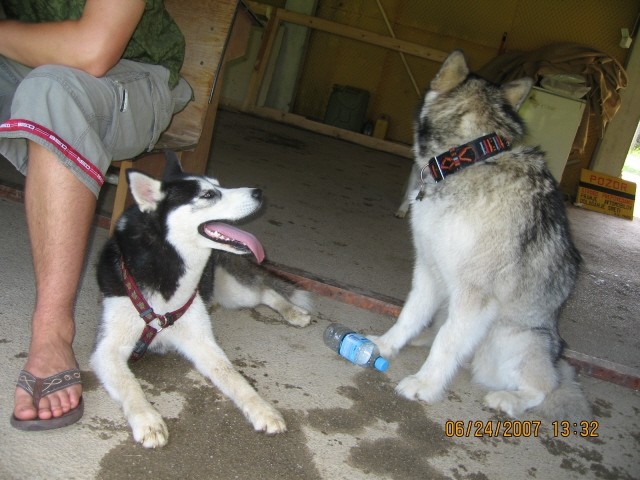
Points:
[(318, 113)]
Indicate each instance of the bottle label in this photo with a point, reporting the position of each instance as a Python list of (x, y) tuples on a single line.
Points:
[(350, 346)]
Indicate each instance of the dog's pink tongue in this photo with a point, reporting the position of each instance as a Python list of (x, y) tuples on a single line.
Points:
[(247, 239)]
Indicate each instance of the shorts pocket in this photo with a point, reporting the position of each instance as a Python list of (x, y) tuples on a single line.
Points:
[(140, 114), (11, 74)]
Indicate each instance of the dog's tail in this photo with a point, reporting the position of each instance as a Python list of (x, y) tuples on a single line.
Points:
[(567, 401)]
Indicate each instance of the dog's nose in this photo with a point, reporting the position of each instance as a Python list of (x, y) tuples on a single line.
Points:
[(257, 194)]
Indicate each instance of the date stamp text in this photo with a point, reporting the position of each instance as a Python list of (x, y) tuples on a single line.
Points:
[(518, 428)]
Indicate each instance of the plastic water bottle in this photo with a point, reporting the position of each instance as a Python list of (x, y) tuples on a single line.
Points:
[(354, 347)]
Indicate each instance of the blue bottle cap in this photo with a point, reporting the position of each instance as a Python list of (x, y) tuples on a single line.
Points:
[(381, 364)]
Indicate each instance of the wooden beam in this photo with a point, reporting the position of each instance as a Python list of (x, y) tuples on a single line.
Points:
[(362, 35), (299, 121), (277, 16), (402, 57), (262, 61)]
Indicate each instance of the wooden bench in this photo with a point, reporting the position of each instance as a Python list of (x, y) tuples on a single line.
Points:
[(215, 32)]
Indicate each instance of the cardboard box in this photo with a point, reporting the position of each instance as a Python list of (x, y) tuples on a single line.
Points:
[(605, 194)]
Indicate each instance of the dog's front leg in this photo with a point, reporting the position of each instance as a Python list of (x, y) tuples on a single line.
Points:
[(195, 341), (263, 416), (109, 361), (411, 187), (469, 318), (423, 301)]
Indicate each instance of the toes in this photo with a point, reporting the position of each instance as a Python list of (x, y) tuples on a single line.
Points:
[(385, 350), (156, 436), (297, 316), (24, 409), (51, 406), (57, 404), (271, 424), (408, 388), (505, 401), (149, 429), (416, 388), (264, 417)]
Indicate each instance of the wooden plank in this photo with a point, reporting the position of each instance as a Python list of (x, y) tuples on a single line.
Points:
[(362, 35), (195, 160), (278, 16), (402, 57), (262, 60), (299, 121), (206, 25), (240, 32)]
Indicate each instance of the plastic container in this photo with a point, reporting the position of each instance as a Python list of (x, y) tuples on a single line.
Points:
[(347, 108), (382, 125), (354, 347)]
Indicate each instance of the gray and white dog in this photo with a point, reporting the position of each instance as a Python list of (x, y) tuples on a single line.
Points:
[(494, 254)]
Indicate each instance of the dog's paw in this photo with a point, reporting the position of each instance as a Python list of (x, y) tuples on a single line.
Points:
[(297, 316), (265, 418), (149, 429), (414, 387), (385, 349), (401, 212), (505, 401)]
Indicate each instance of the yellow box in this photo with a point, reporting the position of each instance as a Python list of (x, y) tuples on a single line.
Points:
[(605, 194), (380, 129)]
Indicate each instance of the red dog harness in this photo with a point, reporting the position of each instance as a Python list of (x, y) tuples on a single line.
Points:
[(147, 314)]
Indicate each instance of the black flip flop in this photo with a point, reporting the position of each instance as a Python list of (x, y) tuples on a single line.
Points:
[(41, 387)]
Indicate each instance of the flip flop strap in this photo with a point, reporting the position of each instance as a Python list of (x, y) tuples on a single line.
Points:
[(41, 387)]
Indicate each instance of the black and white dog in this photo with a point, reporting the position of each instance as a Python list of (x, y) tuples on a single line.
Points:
[(156, 275)]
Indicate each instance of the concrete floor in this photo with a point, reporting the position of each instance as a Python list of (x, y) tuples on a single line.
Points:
[(329, 217)]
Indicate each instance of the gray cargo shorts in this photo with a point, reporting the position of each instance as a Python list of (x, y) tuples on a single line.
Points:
[(87, 122)]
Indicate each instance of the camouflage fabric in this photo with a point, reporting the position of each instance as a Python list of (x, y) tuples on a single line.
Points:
[(156, 40)]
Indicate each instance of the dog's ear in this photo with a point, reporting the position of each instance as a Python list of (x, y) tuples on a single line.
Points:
[(146, 191), (517, 91), (452, 73), (172, 166)]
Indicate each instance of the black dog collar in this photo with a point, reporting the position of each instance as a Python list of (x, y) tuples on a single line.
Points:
[(461, 156)]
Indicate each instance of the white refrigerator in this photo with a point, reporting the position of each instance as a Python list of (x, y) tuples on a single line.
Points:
[(552, 121)]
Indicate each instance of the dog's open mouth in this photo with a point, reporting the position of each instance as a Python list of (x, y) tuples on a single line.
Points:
[(241, 241)]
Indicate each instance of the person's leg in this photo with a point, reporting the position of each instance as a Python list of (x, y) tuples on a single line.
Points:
[(90, 118), (60, 211)]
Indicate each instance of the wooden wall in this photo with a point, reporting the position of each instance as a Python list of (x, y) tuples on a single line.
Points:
[(477, 27), (396, 80)]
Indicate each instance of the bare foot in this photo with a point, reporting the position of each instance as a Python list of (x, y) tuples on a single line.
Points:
[(49, 354)]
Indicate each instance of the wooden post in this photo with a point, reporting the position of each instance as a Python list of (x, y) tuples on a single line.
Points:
[(262, 61)]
